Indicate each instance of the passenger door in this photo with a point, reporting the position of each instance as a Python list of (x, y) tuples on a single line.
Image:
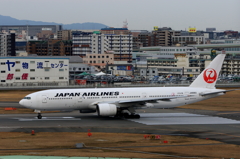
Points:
[(44, 99)]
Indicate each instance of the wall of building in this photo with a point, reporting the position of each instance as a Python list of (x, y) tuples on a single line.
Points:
[(99, 60), (34, 71)]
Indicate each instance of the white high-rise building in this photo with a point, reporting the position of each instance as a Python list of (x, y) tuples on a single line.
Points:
[(98, 43), (121, 45), (88, 42)]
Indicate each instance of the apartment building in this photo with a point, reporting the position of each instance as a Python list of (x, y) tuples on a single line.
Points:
[(7, 44), (99, 60), (64, 35), (121, 46), (85, 43), (99, 43), (185, 40), (52, 47), (81, 43), (163, 36), (231, 64), (116, 31)]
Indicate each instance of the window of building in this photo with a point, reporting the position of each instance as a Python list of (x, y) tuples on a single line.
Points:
[(17, 62), (102, 56), (32, 78), (46, 69), (3, 71), (17, 78), (61, 61), (17, 70), (61, 69), (83, 68), (32, 62), (46, 78), (61, 77), (3, 81), (2, 63), (32, 70)]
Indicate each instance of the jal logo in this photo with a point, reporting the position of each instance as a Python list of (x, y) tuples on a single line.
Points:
[(210, 75)]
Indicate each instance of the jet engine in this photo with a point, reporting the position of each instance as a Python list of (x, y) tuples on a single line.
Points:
[(106, 109)]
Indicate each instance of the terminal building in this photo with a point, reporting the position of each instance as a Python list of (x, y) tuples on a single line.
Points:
[(34, 71)]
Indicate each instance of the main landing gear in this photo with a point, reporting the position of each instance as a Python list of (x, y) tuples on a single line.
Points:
[(127, 114), (131, 116)]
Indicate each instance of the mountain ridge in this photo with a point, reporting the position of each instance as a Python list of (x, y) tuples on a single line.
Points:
[(7, 20)]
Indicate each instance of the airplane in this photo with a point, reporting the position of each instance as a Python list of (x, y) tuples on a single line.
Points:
[(123, 102)]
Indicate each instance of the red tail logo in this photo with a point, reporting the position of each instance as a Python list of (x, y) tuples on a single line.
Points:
[(210, 75)]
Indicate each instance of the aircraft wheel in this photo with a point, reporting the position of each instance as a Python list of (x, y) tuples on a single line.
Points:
[(39, 116), (137, 116), (126, 115)]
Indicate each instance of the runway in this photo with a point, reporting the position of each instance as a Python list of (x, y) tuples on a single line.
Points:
[(221, 126)]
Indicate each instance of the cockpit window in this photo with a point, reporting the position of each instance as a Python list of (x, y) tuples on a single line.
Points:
[(27, 98)]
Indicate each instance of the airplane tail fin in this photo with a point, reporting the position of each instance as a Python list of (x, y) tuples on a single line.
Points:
[(209, 76)]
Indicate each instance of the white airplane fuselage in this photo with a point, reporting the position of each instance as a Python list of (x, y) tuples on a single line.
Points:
[(78, 99)]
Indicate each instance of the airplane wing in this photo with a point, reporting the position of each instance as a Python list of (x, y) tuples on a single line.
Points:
[(223, 91), (143, 100), (148, 99)]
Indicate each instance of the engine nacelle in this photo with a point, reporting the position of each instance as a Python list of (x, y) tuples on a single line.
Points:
[(107, 109)]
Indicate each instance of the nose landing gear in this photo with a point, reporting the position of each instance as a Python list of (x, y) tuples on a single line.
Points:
[(39, 116), (39, 113)]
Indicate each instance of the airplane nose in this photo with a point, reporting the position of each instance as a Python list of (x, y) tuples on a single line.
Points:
[(21, 102)]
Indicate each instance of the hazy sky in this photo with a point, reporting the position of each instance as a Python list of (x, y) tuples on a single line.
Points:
[(140, 14)]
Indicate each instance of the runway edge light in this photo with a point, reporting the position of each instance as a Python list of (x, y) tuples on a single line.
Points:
[(33, 132)]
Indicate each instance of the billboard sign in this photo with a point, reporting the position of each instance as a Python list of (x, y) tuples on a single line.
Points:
[(192, 30), (125, 68), (155, 28)]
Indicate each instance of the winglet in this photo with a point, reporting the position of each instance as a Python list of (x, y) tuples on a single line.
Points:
[(209, 76)]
